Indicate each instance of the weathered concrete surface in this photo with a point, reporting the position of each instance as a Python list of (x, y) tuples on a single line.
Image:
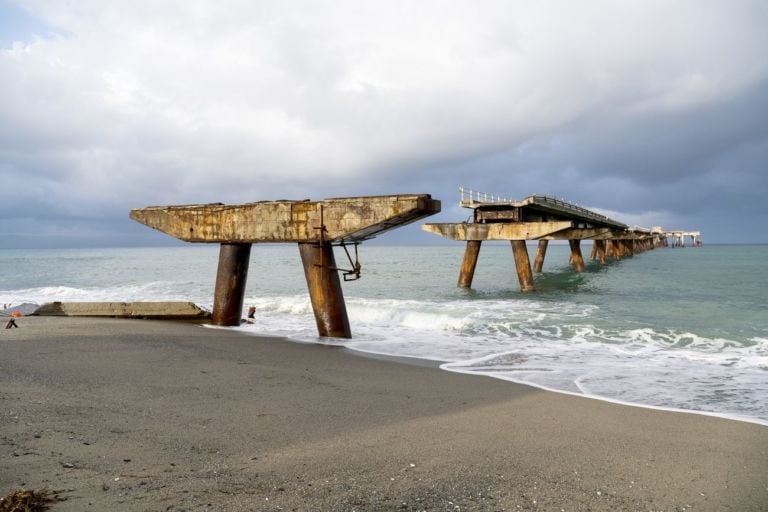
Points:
[(345, 219), (153, 310), (497, 231)]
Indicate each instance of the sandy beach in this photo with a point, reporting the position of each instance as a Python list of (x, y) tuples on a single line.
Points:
[(142, 415)]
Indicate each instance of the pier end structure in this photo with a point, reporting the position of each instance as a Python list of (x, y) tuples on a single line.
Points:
[(316, 226), (541, 218)]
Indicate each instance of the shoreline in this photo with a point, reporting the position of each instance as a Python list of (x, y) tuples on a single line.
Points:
[(150, 415), (443, 365)]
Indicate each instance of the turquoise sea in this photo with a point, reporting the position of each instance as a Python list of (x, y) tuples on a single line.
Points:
[(671, 328)]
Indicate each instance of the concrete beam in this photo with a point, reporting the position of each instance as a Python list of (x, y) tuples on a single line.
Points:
[(560, 230), (497, 231), (345, 219)]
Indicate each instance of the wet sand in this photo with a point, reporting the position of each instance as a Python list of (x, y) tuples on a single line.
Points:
[(167, 416)]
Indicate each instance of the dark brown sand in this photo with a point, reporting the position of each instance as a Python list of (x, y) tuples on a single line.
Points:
[(140, 415)]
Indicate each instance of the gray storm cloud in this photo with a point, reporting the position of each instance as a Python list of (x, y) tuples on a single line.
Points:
[(652, 110)]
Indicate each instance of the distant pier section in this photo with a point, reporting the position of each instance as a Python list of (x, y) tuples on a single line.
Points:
[(316, 226), (544, 218)]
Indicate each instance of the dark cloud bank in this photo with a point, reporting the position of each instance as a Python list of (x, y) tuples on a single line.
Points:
[(655, 114)]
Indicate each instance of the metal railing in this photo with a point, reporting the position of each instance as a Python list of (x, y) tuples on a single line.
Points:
[(562, 203), (471, 198), (474, 196)]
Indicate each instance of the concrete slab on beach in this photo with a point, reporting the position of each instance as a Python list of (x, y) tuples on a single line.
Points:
[(131, 415), (165, 310)]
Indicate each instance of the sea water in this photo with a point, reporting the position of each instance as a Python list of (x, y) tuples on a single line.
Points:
[(671, 328)]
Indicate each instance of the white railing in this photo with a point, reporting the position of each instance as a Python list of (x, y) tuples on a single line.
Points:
[(474, 196)]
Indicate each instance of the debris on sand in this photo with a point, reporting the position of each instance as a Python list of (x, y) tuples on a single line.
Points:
[(29, 501)]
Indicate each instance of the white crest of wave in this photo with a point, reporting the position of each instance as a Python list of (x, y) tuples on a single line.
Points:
[(151, 291)]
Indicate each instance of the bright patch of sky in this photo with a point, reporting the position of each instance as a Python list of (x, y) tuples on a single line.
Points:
[(17, 25)]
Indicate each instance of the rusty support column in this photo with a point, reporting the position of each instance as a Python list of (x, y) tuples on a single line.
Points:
[(600, 245), (541, 252), (593, 251), (325, 290), (469, 263), (577, 260), (523, 265), (231, 277)]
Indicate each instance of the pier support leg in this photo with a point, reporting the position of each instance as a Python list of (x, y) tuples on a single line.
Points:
[(615, 246), (600, 247), (523, 265), (577, 260), (469, 263), (541, 252), (231, 277), (593, 251), (325, 290)]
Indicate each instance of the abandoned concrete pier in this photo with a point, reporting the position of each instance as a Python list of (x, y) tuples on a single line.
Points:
[(316, 226), (545, 218)]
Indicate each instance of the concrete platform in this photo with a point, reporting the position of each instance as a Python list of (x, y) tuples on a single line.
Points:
[(148, 310)]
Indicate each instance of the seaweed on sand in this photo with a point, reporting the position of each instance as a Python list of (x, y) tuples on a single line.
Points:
[(29, 501)]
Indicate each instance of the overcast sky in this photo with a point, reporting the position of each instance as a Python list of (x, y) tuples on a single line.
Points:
[(653, 111)]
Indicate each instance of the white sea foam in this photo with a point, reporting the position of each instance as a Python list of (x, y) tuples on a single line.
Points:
[(549, 345), (562, 346), (152, 291)]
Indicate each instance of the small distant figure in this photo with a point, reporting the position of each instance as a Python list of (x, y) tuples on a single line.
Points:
[(251, 314), (12, 321)]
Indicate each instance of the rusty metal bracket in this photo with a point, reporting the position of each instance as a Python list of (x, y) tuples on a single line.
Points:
[(352, 274)]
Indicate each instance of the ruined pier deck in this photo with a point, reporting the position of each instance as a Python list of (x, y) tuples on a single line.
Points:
[(316, 226), (541, 218)]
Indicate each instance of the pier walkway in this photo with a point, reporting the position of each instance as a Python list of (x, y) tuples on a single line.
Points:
[(544, 218)]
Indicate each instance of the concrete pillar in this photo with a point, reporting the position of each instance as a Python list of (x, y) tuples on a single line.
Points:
[(593, 251), (541, 252), (577, 260), (600, 245), (615, 246), (523, 265), (469, 263), (325, 290), (630, 244), (231, 277)]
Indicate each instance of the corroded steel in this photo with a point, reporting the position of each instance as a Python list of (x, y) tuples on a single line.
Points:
[(600, 247), (325, 290), (522, 265), (541, 252), (231, 277), (345, 219), (469, 263), (577, 260), (614, 249)]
